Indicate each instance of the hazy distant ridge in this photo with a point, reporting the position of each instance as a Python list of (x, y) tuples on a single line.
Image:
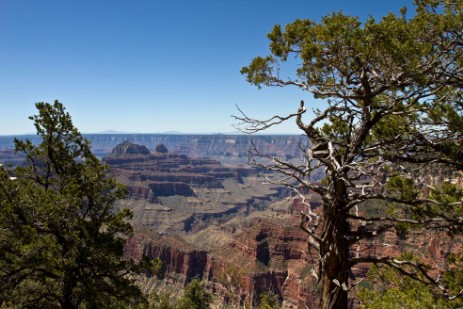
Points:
[(225, 148)]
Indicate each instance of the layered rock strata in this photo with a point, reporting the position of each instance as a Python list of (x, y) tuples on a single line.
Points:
[(270, 255), (173, 193)]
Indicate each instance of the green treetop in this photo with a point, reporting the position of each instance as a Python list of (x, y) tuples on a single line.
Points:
[(62, 240), (391, 111)]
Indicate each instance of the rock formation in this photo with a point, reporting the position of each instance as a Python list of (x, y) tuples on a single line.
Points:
[(128, 148), (269, 255), (161, 148), (173, 193)]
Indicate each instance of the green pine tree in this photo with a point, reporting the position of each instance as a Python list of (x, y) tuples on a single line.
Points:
[(195, 296), (61, 239), (385, 108)]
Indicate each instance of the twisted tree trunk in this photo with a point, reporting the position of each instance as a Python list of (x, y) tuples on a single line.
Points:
[(334, 251)]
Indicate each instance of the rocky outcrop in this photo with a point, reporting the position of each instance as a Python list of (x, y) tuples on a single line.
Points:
[(128, 148), (170, 189), (139, 192), (161, 148)]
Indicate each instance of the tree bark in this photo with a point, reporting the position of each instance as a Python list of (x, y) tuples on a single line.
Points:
[(334, 251), (69, 283), (334, 269)]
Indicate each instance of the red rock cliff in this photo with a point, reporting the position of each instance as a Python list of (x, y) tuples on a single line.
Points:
[(268, 256)]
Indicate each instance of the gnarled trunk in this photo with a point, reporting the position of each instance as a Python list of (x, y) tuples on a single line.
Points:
[(334, 252)]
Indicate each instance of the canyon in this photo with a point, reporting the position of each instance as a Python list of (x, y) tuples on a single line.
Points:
[(171, 193), (214, 222), (205, 213), (199, 207)]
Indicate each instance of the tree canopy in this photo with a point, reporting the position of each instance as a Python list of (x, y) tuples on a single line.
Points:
[(61, 239), (391, 120)]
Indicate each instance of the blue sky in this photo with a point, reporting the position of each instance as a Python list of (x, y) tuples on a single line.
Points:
[(147, 65)]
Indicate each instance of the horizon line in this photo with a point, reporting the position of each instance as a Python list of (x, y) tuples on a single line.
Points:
[(160, 133)]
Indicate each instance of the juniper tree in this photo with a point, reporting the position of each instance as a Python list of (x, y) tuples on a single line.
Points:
[(61, 239), (391, 99)]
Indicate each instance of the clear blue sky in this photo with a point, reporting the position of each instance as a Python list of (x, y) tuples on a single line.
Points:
[(148, 65)]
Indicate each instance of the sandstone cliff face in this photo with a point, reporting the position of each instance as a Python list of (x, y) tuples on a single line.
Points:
[(165, 188), (270, 255)]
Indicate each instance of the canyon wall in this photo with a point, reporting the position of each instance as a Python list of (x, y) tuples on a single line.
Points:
[(228, 149), (268, 255)]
